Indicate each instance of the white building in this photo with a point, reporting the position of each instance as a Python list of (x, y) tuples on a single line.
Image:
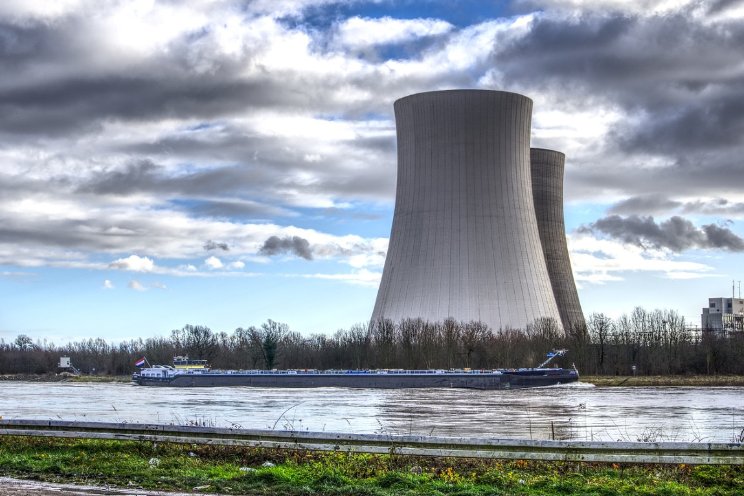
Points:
[(723, 314)]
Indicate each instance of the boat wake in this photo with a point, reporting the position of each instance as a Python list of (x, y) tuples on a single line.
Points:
[(573, 385)]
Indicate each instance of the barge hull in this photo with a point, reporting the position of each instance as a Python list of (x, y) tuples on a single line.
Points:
[(504, 380)]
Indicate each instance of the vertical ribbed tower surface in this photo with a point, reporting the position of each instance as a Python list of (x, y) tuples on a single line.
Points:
[(547, 188), (464, 242)]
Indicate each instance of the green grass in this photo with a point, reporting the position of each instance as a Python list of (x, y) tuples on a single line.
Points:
[(232, 470)]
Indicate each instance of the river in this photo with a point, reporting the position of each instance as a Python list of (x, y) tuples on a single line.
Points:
[(578, 411)]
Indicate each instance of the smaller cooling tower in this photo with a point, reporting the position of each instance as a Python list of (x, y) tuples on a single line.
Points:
[(547, 190)]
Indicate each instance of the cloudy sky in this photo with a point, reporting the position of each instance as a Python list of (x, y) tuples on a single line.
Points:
[(222, 162)]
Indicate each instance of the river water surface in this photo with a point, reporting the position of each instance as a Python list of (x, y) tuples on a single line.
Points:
[(578, 411)]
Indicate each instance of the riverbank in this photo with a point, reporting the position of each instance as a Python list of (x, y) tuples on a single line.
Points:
[(665, 380), (233, 470), (597, 380), (64, 377)]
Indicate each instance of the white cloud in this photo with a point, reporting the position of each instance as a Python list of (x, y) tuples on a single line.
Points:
[(136, 285), (107, 284), (573, 131), (367, 260), (681, 275), (24, 10), (15, 274), (282, 8), (158, 285), (361, 277), (237, 265), (213, 263), (360, 32), (141, 27), (636, 7), (134, 263), (597, 261)]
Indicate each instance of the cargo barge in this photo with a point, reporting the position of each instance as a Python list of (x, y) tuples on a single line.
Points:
[(196, 373)]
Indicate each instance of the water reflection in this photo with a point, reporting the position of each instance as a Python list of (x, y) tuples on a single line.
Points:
[(578, 411)]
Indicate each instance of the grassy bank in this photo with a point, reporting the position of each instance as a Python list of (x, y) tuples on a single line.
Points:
[(232, 470), (665, 380), (65, 378)]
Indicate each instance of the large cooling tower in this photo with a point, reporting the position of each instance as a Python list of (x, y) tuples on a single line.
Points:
[(547, 191), (464, 242)]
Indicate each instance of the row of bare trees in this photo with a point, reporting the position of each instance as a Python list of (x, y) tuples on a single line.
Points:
[(655, 342)]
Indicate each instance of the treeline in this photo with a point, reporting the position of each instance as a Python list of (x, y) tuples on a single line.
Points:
[(654, 342)]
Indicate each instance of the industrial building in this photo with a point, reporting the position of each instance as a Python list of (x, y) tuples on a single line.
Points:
[(723, 314), (466, 239)]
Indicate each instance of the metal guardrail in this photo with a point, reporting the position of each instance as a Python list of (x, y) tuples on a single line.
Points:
[(515, 449)]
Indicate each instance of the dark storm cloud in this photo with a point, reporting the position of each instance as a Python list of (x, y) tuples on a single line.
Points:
[(613, 56), (676, 233), (134, 177), (145, 176), (74, 104), (719, 206), (233, 209), (144, 232), (51, 86), (580, 51), (214, 245), (717, 6), (255, 165), (669, 75), (721, 237), (246, 191), (660, 204), (295, 245), (66, 234), (644, 205), (23, 45), (17, 188), (231, 145), (702, 125), (230, 192)]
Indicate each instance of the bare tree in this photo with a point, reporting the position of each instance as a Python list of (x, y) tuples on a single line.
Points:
[(600, 326), (249, 346), (196, 341)]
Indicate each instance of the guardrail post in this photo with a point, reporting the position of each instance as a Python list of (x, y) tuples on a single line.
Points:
[(577, 451)]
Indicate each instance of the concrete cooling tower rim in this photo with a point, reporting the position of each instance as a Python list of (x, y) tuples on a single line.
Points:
[(424, 94), (548, 150)]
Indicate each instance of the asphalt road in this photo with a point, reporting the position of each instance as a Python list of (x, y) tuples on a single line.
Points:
[(18, 487)]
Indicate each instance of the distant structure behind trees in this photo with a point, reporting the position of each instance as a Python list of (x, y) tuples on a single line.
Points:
[(723, 314), (656, 342)]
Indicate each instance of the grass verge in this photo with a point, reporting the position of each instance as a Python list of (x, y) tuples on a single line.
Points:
[(255, 471), (665, 380), (64, 378)]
